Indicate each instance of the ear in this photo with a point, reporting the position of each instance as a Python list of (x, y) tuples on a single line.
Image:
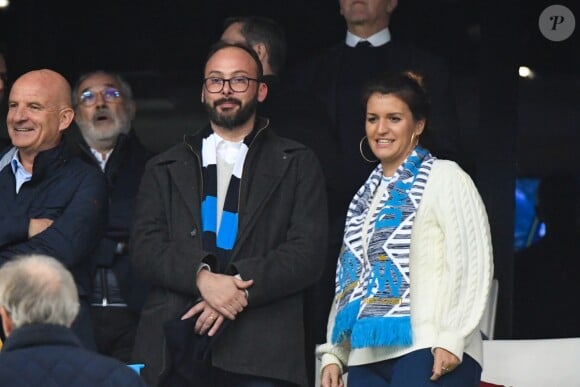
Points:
[(260, 49), (6, 321), (391, 6), (419, 127), (262, 91), (65, 118)]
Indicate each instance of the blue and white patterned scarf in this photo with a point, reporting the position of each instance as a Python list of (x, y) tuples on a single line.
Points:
[(373, 289)]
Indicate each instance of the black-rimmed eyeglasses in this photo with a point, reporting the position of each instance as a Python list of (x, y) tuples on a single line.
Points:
[(237, 84), (110, 94)]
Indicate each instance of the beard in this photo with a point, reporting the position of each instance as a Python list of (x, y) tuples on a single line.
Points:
[(232, 120), (104, 136)]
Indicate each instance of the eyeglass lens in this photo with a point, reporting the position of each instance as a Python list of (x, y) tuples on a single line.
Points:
[(237, 84), (110, 94)]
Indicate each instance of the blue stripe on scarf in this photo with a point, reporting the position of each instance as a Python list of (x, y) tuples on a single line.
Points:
[(228, 230), (382, 332), (209, 214)]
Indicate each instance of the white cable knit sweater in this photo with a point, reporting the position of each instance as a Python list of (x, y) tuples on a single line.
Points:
[(451, 269)]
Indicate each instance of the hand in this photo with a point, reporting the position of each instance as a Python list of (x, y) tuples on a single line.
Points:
[(36, 226), (224, 293), (444, 363), (331, 376), (209, 319)]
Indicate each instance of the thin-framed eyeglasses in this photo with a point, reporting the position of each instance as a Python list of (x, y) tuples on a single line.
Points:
[(237, 84), (110, 94)]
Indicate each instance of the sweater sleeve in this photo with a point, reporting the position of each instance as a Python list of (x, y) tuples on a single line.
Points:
[(467, 267), (330, 353)]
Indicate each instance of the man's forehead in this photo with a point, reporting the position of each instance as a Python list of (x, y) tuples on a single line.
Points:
[(231, 60), (97, 80)]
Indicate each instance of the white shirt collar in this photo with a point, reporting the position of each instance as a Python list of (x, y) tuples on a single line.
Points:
[(99, 156), (227, 150), (21, 175), (378, 39)]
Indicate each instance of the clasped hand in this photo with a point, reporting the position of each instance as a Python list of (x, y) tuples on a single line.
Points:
[(226, 294)]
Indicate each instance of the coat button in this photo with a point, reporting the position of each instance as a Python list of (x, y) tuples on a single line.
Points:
[(193, 232)]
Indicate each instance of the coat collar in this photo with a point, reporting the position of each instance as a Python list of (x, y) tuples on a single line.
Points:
[(38, 335)]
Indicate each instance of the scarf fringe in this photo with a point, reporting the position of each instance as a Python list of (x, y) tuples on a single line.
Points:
[(382, 332), (344, 321)]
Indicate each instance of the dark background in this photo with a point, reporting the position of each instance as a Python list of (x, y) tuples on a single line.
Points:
[(513, 127)]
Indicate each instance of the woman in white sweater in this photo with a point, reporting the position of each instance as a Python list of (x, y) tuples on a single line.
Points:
[(416, 265)]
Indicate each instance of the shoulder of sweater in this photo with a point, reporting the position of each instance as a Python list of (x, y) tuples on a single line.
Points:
[(446, 177), (447, 169)]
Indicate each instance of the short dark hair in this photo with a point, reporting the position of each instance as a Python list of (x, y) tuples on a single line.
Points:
[(220, 45), (258, 29), (408, 86)]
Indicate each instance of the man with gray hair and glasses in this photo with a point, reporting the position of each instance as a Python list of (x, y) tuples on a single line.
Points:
[(104, 111), (38, 303)]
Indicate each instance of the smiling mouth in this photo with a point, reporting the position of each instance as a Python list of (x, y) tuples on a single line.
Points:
[(383, 141)]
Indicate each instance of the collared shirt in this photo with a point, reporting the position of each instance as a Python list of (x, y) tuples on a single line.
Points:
[(21, 175), (102, 160), (378, 39)]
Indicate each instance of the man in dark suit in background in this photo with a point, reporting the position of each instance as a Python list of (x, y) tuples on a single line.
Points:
[(338, 75)]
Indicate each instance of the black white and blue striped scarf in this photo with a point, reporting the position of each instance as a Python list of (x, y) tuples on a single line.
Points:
[(373, 289), (221, 242)]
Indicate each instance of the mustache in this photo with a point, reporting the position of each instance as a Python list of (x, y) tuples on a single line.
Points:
[(227, 100)]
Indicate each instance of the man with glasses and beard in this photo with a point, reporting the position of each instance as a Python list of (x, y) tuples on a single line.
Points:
[(104, 109), (230, 227)]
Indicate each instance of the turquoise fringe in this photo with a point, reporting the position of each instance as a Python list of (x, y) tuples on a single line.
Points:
[(344, 321), (381, 332)]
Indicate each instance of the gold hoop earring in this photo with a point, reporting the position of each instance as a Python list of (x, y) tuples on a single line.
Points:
[(360, 148), (414, 140)]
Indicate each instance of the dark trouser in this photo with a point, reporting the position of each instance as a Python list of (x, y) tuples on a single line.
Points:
[(115, 329), (413, 370)]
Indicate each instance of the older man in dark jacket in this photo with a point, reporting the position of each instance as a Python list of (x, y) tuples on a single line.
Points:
[(38, 302), (50, 203), (235, 216), (104, 110)]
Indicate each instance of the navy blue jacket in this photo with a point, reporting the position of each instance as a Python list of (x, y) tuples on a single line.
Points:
[(63, 189), (123, 174), (44, 355)]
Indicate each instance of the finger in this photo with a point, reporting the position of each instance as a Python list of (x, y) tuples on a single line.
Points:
[(435, 376), (216, 325), (208, 321), (242, 299), (237, 306), (243, 284), (193, 311), (227, 313)]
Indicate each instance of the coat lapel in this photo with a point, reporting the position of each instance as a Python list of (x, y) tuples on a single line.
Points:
[(183, 174), (266, 173)]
